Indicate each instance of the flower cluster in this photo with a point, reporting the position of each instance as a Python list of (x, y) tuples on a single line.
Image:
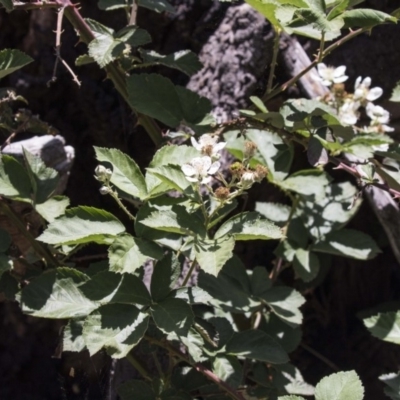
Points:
[(348, 105)]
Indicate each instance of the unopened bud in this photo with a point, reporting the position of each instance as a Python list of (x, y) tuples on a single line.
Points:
[(102, 173), (222, 193), (104, 190), (237, 168), (248, 178)]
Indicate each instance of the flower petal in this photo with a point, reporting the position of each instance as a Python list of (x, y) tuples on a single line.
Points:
[(339, 71), (188, 170), (374, 93), (214, 168), (195, 143), (340, 79)]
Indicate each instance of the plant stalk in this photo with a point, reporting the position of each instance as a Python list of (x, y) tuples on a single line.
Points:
[(273, 61)]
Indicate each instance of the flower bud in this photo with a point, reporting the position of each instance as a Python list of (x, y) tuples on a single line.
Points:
[(260, 172), (237, 168), (102, 173), (104, 190), (248, 178)]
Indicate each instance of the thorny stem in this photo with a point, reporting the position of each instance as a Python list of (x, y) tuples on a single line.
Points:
[(113, 71), (189, 274), (41, 251), (133, 15), (139, 367), (317, 60), (273, 61), (198, 367), (321, 47)]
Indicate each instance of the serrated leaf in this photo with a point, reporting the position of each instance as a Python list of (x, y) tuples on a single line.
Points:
[(249, 226), (287, 378), (12, 60), (126, 173), (166, 273), (306, 264), (55, 294), (349, 243), (6, 263), (14, 180), (128, 253), (291, 398), (307, 182), (392, 385), (116, 327), (107, 45), (260, 281), (84, 60), (212, 254), (285, 302), (385, 326), (110, 287), (53, 207), (82, 225), (7, 4), (278, 213), (340, 386), (396, 93), (72, 335), (175, 220), (173, 315), (135, 390), (157, 97), (172, 176), (44, 180), (256, 345), (185, 60), (228, 369), (365, 18)]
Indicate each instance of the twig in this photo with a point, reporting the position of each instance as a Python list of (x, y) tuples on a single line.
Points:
[(189, 274), (58, 52), (315, 353), (198, 367), (139, 367), (132, 18)]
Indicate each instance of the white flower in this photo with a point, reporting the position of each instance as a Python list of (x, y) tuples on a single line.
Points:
[(200, 169), (331, 75), (248, 178), (377, 114), (208, 145), (363, 92), (348, 114)]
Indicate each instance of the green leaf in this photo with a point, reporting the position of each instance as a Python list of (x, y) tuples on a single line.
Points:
[(340, 386), (278, 213), (256, 345), (173, 315), (14, 180), (249, 226), (166, 273), (365, 18), (349, 243), (307, 182), (107, 45), (285, 302), (44, 180), (392, 385), (306, 264), (212, 254), (7, 4), (385, 326), (72, 335), (136, 390), (110, 287), (288, 378), (338, 9), (396, 93), (185, 60), (158, 6), (260, 282), (176, 220), (228, 369), (53, 207), (116, 327), (128, 253), (5, 240), (126, 173), (291, 398), (82, 225), (172, 176), (11, 60), (55, 294), (109, 5), (6, 263), (84, 59), (157, 97)]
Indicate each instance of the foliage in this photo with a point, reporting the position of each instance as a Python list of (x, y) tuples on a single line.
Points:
[(232, 331)]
